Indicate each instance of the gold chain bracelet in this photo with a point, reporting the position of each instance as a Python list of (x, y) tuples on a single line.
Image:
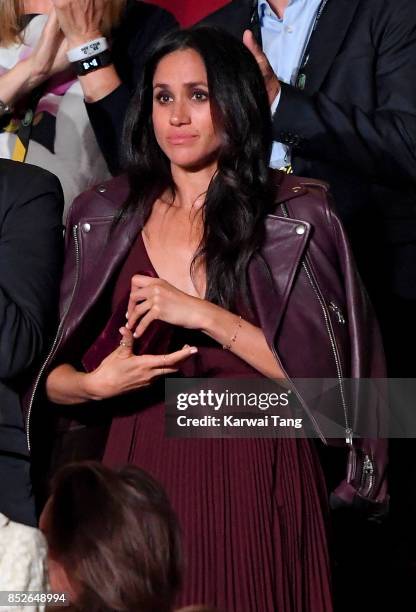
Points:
[(227, 347)]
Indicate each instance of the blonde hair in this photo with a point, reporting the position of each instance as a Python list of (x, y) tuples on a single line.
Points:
[(12, 12)]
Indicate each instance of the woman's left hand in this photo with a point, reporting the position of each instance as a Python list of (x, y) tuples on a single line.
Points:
[(80, 20), (154, 298), (49, 55)]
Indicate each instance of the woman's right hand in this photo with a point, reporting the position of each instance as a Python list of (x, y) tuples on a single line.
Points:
[(123, 371)]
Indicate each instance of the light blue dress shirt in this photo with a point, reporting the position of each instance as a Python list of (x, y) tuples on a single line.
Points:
[(284, 43)]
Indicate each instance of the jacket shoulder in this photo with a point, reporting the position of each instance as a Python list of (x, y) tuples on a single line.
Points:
[(230, 9), (233, 17), (143, 17), (307, 198), (22, 184), (302, 192), (103, 200), (18, 175)]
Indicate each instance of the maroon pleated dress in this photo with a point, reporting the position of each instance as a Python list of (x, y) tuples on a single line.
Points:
[(252, 511)]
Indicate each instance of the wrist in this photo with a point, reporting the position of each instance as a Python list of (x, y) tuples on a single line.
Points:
[(75, 40), (208, 317), (89, 387), (273, 88), (34, 71)]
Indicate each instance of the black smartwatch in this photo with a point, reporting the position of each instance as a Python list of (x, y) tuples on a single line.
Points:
[(89, 64)]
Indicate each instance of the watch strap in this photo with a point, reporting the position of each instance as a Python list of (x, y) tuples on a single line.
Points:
[(90, 64)]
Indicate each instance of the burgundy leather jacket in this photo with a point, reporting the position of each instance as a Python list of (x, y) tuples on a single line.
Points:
[(308, 298)]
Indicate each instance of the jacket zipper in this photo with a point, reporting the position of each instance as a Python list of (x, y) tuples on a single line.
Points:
[(293, 388), (367, 476), (56, 340), (338, 312), (314, 284)]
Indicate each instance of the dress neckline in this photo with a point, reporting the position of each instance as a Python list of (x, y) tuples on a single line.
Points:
[(153, 269), (155, 272)]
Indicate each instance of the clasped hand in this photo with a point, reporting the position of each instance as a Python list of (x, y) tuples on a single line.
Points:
[(154, 298), (70, 23), (150, 299)]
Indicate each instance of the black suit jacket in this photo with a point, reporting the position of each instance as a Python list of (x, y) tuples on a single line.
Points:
[(31, 248), (354, 125)]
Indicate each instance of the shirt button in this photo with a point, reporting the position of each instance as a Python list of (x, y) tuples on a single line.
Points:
[(289, 29)]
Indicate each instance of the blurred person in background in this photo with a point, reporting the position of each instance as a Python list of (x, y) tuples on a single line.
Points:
[(43, 117), (30, 268), (339, 75), (113, 540), (23, 566)]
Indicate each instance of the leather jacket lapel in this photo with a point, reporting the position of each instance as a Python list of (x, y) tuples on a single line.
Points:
[(272, 271), (114, 244)]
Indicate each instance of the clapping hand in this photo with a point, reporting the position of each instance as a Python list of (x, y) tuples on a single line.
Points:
[(80, 20), (270, 79), (49, 55)]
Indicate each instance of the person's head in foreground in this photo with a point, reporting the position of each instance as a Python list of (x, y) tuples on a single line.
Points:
[(113, 540), (201, 116)]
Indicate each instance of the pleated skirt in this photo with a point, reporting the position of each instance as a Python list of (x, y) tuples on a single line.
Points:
[(253, 514)]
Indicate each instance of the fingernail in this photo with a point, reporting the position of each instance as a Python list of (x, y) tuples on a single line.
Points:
[(127, 314), (193, 349), (185, 346), (135, 335)]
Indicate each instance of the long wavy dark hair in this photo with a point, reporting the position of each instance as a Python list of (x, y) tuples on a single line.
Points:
[(240, 193)]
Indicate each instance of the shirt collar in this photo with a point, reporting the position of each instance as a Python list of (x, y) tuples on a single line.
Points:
[(264, 9)]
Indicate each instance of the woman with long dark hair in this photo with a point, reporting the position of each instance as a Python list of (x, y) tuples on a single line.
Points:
[(214, 267)]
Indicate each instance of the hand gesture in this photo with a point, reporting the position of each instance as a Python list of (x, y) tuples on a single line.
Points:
[(154, 298), (80, 20), (122, 371), (270, 79), (49, 55)]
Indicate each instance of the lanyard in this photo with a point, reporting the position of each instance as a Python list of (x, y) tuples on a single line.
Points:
[(255, 26), (301, 78)]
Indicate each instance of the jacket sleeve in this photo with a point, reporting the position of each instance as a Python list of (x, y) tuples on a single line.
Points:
[(380, 143), (368, 397), (107, 115), (30, 264)]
